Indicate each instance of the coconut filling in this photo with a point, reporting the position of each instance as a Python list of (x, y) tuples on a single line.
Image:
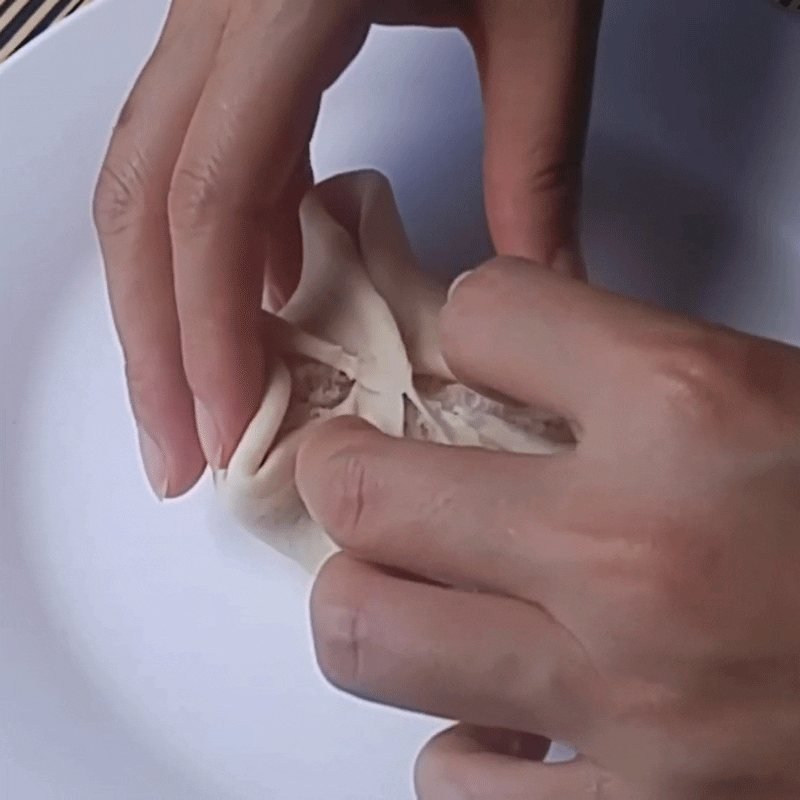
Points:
[(450, 412), (481, 421)]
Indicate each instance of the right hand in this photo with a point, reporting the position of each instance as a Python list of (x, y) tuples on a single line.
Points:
[(637, 596), (199, 192)]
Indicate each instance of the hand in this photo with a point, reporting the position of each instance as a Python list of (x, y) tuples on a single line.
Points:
[(199, 192), (637, 597)]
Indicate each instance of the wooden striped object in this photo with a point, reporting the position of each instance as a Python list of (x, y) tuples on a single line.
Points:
[(22, 20)]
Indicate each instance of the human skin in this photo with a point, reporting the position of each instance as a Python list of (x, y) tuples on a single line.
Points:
[(637, 597), (198, 195)]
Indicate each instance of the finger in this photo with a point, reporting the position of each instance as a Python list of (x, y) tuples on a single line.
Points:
[(131, 217), (245, 141), (448, 514), (284, 245), (489, 660), (550, 341), (468, 762), (536, 64)]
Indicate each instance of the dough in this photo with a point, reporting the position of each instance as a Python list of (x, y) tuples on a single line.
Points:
[(359, 336)]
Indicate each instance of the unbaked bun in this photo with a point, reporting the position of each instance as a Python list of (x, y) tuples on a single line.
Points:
[(360, 337)]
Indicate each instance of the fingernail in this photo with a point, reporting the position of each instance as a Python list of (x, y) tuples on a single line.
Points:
[(155, 466), (524, 746), (457, 281), (208, 433)]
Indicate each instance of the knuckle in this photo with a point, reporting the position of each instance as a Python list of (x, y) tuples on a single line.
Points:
[(126, 113), (339, 646), (703, 382), (730, 386), (199, 194), (554, 176), (121, 195), (544, 174), (347, 498), (195, 196), (341, 640), (694, 381), (549, 178), (336, 470), (139, 378)]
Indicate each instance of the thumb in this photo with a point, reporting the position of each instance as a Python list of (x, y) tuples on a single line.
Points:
[(468, 761), (536, 64)]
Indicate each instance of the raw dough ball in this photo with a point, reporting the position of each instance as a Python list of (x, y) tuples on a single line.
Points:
[(359, 336)]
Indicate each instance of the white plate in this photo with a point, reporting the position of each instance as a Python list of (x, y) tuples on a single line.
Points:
[(156, 651)]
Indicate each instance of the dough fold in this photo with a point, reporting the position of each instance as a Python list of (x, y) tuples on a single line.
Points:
[(359, 336)]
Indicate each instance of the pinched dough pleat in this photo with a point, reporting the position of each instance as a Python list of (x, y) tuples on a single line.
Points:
[(359, 336)]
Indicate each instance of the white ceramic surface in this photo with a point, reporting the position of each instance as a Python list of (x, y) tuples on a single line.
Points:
[(156, 651)]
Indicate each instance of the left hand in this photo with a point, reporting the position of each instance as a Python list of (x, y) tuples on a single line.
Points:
[(199, 191), (638, 597)]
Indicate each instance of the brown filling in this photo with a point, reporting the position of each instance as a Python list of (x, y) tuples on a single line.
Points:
[(317, 388)]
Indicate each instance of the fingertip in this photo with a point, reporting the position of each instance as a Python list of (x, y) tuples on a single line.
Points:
[(173, 463), (466, 760), (469, 761), (474, 297), (327, 440), (329, 470), (474, 278), (161, 406), (501, 281), (226, 370), (185, 474), (173, 470), (508, 327)]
